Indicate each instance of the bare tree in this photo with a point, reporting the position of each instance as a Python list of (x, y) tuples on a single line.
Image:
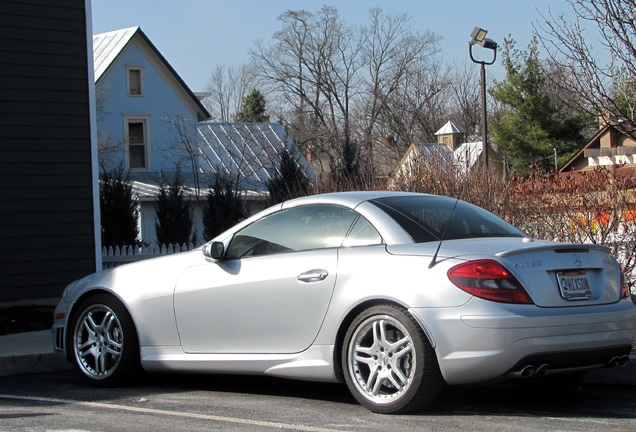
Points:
[(228, 86), (184, 146), (465, 97), (605, 88), (106, 144), (337, 82), (397, 64), (417, 108), (281, 67), (313, 63)]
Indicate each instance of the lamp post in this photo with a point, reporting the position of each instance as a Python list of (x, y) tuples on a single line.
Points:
[(479, 37)]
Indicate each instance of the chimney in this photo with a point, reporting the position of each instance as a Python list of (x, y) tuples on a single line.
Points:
[(606, 118), (387, 140)]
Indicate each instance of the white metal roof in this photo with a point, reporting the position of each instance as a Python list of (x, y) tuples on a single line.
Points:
[(464, 157), (249, 150), (449, 128), (148, 191), (107, 46), (434, 150), (467, 155)]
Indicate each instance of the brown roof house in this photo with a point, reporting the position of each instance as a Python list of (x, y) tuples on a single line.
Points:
[(608, 148)]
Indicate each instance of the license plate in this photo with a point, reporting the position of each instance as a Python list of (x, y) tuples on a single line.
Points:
[(574, 285)]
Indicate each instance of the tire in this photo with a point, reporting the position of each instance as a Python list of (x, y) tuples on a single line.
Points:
[(105, 346), (389, 365)]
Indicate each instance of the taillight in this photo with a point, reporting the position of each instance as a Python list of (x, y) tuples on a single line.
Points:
[(625, 291), (489, 280)]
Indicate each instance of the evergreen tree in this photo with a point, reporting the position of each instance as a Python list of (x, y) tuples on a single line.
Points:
[(174, 214), (119, 210), (253, 108), (223, 209), (532, 123), (289, 181)]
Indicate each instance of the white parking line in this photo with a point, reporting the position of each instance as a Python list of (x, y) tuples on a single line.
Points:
[(276, 425)]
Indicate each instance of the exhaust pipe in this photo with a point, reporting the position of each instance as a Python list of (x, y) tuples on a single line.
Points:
[(618, 361), (543, 370), (527, 371), (615, 362)]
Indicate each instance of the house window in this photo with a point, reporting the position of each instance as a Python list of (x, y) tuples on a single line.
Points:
[(137, 143), (135, 81)]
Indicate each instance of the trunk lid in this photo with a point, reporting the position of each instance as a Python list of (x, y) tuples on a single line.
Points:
[(560, 275), (553, 274)]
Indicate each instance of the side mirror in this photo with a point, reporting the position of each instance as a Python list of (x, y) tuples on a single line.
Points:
[(214, 250)]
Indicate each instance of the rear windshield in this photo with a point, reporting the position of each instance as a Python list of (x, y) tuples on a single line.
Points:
[(424, 218)]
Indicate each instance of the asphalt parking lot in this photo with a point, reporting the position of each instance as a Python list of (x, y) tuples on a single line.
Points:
[(61, 401)]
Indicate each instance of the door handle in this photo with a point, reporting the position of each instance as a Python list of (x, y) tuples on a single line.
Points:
[(315, 275)]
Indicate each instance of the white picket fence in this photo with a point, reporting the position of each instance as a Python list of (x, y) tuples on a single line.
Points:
[(113, 257)]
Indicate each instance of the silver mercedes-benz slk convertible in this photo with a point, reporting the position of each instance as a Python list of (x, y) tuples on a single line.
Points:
[(393, 293)]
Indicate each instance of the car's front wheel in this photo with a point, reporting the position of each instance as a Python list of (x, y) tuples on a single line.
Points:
[(105, 346), (389, 365)]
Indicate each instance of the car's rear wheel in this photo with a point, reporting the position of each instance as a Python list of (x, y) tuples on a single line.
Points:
[(105, 346), (389, 365)]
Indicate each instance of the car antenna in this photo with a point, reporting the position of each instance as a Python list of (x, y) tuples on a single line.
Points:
[(439, 245)]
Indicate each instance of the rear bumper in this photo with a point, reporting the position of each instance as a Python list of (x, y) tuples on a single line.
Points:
[(484, 340)]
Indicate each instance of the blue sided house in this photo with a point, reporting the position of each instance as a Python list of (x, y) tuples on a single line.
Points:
[(152, 125)]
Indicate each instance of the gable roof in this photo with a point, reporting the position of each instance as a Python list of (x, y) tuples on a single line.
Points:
[(107, 47), (468, 155), (450, 128), (434, 151), (249, 150), (464, 158), (581, 153)]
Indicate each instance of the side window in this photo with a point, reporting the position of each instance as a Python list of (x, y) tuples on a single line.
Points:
[(295, 229), (363, 234), (137, 142), (135, 81)]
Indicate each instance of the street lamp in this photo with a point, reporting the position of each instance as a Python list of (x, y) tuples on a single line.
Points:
[(479, 37)]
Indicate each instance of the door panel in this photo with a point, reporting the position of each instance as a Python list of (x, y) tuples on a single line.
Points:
[(263, 304)]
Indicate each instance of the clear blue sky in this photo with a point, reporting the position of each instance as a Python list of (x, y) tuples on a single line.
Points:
[(195, 36)]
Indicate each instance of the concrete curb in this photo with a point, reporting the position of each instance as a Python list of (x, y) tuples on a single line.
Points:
[(29, 352), (32, 363)]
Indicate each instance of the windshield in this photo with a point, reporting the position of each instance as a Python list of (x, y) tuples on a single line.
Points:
[(424, 218)]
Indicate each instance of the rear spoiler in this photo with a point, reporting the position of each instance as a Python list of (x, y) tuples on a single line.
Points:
[(556, 247)]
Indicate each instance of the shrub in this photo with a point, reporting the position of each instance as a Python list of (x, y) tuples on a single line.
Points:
[(174, 214), (223, 210), (595, 207), (119, 210)]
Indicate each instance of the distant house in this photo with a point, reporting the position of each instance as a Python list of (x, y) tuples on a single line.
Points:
[(148, 119), (145, 112), (49, 211), (449, 150), (608, 148), (140, 97)]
